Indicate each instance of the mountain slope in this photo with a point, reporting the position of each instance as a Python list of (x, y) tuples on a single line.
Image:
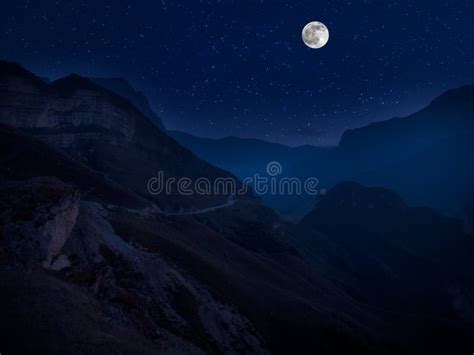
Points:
[(103, 130), (244, 156), (22, 157), (223, 281)]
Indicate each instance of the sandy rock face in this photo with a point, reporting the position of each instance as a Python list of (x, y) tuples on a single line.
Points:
[(59, 228), (27, 102), (37, 217)]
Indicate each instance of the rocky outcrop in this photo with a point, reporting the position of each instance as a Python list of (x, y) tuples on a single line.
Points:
[(64, 216), (37, 217), (157, 297)]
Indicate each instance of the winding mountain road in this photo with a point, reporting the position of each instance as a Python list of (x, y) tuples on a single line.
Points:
[(205, 210)]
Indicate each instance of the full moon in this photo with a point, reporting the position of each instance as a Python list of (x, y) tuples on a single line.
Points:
[(315, 35)]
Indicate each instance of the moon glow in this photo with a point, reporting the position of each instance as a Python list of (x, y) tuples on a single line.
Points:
[(315, 35)]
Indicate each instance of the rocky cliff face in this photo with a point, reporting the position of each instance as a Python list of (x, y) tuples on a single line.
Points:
[(32, 105), (103, 130)]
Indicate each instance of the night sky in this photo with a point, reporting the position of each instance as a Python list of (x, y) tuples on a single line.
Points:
[(229, 67)]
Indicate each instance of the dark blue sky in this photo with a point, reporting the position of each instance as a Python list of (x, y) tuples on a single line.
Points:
[(229, 67)]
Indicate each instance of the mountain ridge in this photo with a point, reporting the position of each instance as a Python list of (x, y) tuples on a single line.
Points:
[(382, 153)]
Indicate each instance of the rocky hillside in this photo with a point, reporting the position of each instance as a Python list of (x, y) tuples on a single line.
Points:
[(115, 290), (84, 272), (90, 262)]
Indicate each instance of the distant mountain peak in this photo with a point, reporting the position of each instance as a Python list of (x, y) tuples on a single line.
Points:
[(454, 107)]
